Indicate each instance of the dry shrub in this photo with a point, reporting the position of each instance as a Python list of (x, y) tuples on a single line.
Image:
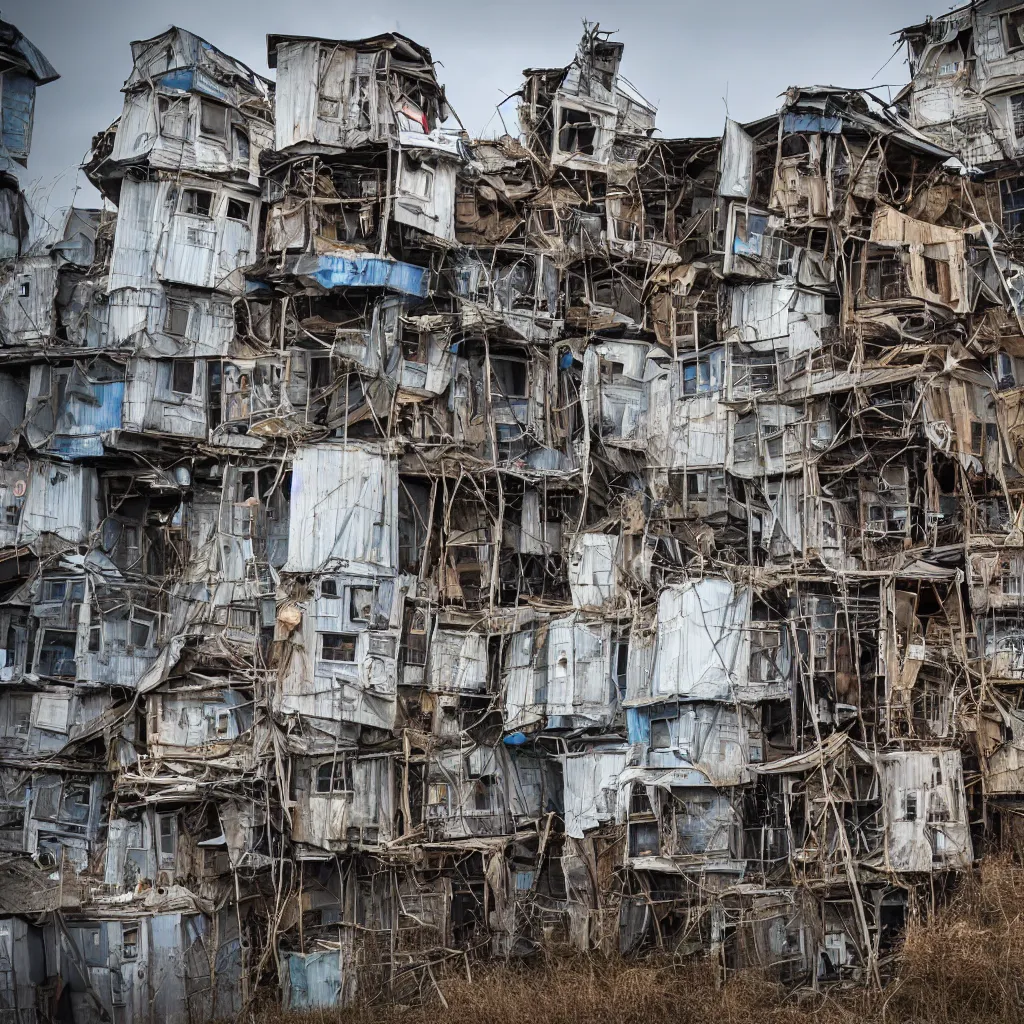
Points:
[(967, 962), (963, 966)]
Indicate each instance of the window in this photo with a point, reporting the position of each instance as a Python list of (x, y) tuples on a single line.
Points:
[(139, 632), (702, 375), (949, 68), (1013, 30), (977, 437), (547, 220), (222, 724), (697, 485), (661, 738), (95, 639), (481, 796), (173, 116), (910, 807), (129, 941), (437, 794), (57, 654), (54, 591), (328, 588), (1017, 115), (643, 839), (176, 317), (1011, 192), (1011, 580), (748, 238), (334, 777), (20, 715), (509, 377), (167, 836), (337, 647), (183, 376), (361, 604), (213, 119), (1005, 376), (577, 132), (24, 287), (885, 277), (75, 805), (241, 146), (196, 201), (931, 275), (238, 210)]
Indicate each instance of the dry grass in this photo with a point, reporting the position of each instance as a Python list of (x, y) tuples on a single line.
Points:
[(965, 966)]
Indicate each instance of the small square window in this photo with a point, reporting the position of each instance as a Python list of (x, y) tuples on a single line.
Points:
[(328, 588), (338, 647), (183, 376)]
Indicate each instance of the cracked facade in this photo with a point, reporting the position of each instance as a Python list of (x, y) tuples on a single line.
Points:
[(418, 549)]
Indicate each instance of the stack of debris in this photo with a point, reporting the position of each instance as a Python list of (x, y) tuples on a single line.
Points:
[(418, 548)]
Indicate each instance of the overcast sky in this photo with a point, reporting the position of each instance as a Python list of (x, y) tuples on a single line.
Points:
[(689, 57)]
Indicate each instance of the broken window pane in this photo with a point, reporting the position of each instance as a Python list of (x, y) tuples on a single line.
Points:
[(238, 210), (196, 201), (577, 132), (57, 654), (1013, 30)]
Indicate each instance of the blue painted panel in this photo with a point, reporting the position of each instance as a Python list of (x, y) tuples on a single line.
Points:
[(81, 422), (638, 725), (314, 979), (19, 92), (370, 272)]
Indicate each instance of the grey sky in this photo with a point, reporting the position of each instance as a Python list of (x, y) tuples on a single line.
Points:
[(687, 56)]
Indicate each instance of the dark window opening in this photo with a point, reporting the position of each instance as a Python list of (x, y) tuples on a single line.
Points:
[(196, 201), (577, 132), (509, 377), (183, 376), (238, 210), (1013, 30)]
